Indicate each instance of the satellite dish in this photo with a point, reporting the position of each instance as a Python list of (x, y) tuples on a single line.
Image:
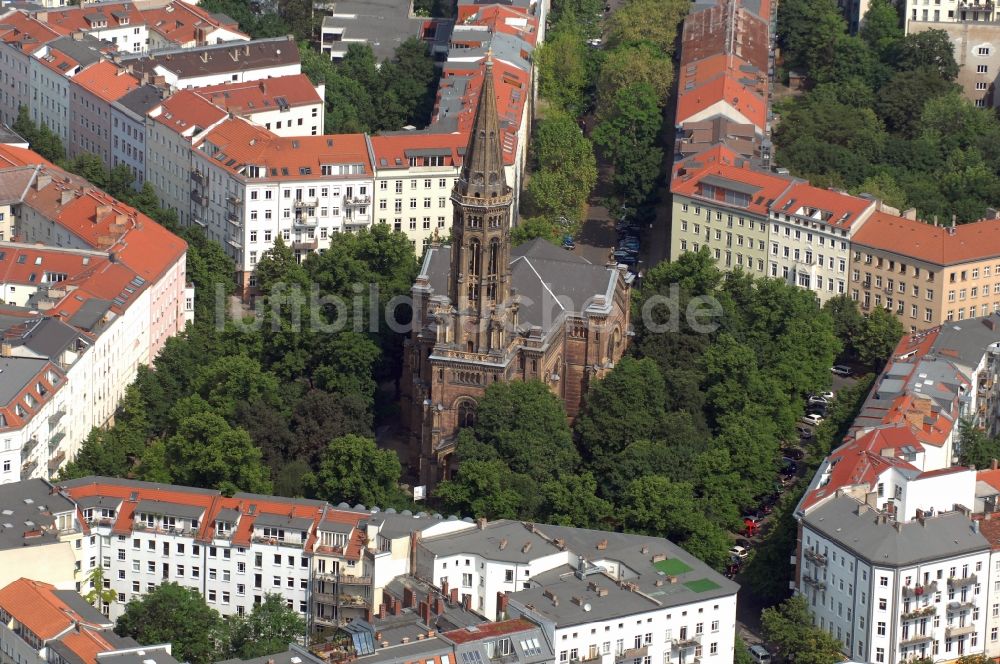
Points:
[(586, 607)]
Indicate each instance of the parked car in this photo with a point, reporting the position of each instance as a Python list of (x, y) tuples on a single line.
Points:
[(760, 654), (805, 433), (829, 396), (841, 370), (738, 552), (812, 419), (816, 409), (818, 399), (745, 543), (788, 467), (793, 453), (568, 242)]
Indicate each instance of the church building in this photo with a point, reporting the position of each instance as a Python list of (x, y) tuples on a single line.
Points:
[(485, 312)]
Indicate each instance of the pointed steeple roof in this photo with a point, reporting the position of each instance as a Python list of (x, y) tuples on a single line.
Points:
[(482, 173)]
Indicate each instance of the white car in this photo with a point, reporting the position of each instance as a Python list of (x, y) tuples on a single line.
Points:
[(841, 370), (829, 396), (813, 420), (739, 552), (818, 399)]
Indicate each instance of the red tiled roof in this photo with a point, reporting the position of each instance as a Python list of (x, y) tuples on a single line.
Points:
[(390, 151), (27, 33), (86, 644), (241, 143), (507, 20), (106, 80), (489, 630), (178, 22), (824, 205), (938, 245), (687, 180), (257, 96), (187, 112), (726, 89), (35, 605), (991, 477)]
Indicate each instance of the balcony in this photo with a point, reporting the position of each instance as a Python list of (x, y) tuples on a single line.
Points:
[(922, 612), (55, 440), (199, 198), (198, 177), (235, 201), (815, 557), (304, 220), (55, 417), (958, 630), (234, 219), (961, 582), (918, 591), (306, 245), (103, 522), (353, 580), (235, 244), (56, 460), (28, 448), (276, 542), (958, 607), (28, 468), (300, 204), (686, 642), (632, 653), (916, 639), (357, 201), (817, 583)]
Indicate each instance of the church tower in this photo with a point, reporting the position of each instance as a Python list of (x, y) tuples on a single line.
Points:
[(480, 237)]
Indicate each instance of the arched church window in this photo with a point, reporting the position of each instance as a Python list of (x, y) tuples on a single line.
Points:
[(466, 414)]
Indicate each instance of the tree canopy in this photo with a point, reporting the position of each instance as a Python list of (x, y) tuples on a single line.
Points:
[(177, 615)]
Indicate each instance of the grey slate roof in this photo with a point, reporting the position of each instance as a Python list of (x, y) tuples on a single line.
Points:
[(137, 655), (14, 182), (86, 50), (169, 509), (549, 280), (16, 373), (283, 521), (486, 543), (88, 502), (187, 62), (12, 500), (50, 337), (293, 655), (941, 536), (383, 24), (141, 99), (90, 314)]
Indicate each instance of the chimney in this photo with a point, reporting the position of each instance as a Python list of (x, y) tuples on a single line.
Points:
[(993, 464), (425, 612), (397, 607), (501, 605), (526, 548), (503, 543), (644, 550), (453, 596), (407, 598), (42, 181), (910, 213), (66, 196), (438, 605), (482, 523), (381, 614), (467, 601), (444, 586), (263, 88), (602, 545)]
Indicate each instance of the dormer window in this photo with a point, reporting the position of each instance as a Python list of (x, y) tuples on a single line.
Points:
[(274, 533), (223, 527)]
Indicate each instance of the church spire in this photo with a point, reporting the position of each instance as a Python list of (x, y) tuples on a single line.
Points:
[(482, 173)]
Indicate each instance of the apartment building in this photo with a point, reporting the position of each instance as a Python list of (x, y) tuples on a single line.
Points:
[(20, 37), (415, 173), (172, 128), (897, 546), (139, 27), (53, 67), (810, 235), (976, 45), (579, 586), (928, 275), (95, 291), (43, 551), (285, 105), (128, 129), (720, 202), (196, 67), (41, 624), (251, 186), (92, 93)]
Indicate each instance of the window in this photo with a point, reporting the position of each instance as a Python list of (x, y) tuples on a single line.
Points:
[(466, 580), (881, 629), (982, 69), (984, 50)]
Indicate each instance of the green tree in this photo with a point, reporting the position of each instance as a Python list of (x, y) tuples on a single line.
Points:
[(931, 49), (881, 28), (878, 337), (353, 469), (975, 448), (566, 168), (631, 65), (483, 489), (847, 319), (652, 22), (91, 168), (562, 68), (627, 137), (790, 628), (207, 452), (409, 80), (526, 424), (177, 615), (99, 595), (267, 629), (883, 186), (905, 91)]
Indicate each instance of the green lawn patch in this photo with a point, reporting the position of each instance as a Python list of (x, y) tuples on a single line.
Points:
[(702, 585), (672, 566)]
